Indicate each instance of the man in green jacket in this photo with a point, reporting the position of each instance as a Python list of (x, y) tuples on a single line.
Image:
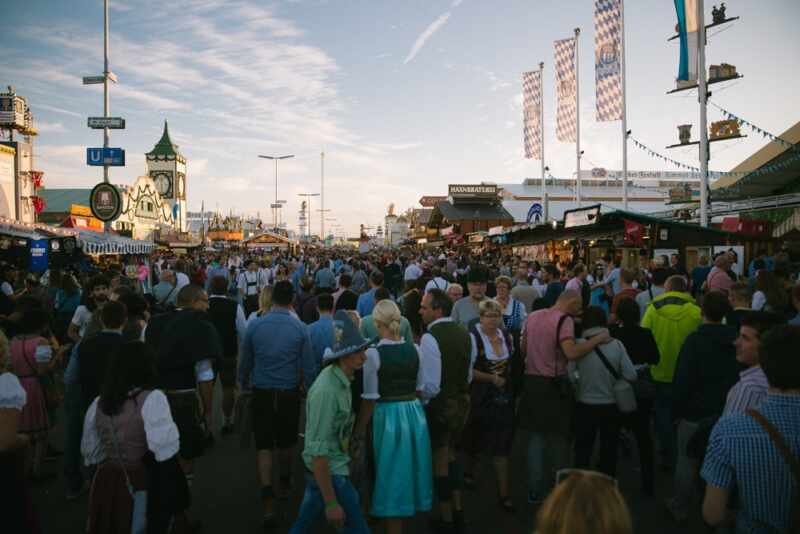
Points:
[(671, 316)]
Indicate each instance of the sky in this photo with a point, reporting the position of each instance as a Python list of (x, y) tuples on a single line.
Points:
[(404, 96)]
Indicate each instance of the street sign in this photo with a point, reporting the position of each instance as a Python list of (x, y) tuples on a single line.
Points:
[(93, 80), (274, 206), (98, 123), (112, 76), (100, 157), (105, 202)]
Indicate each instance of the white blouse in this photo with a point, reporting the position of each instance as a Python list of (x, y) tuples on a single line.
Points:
[(159, 428), (373, 364), (12, 395), (490, 354)]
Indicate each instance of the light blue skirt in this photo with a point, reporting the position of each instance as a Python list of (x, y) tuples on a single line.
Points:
[(402, 445)]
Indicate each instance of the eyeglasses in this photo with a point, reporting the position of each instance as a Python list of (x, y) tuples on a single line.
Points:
[(563, 474)]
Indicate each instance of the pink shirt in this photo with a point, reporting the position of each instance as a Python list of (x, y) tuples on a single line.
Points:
[(540, 336), (574, 284), (718, 280)]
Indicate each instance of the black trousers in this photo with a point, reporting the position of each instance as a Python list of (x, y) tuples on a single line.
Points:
[(591, 420), (639, 424)]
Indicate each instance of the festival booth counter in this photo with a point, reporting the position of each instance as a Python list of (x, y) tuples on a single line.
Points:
[(586, 235), (35, 247)]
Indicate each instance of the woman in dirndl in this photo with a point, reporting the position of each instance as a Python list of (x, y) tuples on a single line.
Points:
[(401, 443), (31, 356), (490, 428), (130, 435)]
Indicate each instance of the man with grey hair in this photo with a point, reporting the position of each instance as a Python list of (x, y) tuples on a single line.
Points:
[(165, 292), (719, 279)]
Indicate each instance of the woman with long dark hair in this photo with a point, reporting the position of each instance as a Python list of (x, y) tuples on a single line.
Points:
[(769, 294), (130, 435)]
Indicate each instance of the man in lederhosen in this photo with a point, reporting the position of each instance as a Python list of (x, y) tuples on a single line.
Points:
[(250, 283)]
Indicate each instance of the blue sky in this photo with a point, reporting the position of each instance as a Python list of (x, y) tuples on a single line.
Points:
[(405, 97)]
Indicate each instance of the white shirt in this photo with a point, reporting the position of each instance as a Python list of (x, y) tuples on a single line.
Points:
[(181, 280), (437, 283), (430, 363), (159, 428), (249, 277), (412, 272), (12, 394), (759, 300), (81, 319), (487, 345), (7, 289), (373, 364)]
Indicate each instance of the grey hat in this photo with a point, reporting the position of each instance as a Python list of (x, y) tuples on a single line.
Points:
[(348, 339)]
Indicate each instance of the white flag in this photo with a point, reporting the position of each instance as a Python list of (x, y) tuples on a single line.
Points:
[(607, 49), (531, 111), (566, 116)]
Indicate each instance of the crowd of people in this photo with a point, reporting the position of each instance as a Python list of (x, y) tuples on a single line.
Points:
[(394, 374)]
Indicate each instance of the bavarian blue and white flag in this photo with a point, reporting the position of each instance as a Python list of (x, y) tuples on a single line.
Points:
[(566, 85), (688, 32), (607, 54), (531, 111)]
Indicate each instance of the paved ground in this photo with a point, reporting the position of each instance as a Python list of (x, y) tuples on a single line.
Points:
[(226, 498)]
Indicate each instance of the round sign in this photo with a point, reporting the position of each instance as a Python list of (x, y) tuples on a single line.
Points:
[(105, 202)]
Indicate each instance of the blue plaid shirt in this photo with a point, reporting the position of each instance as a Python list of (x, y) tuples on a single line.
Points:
[(740, 453)]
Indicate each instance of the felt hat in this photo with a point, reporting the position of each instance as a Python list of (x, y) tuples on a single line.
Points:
[(347, 338)]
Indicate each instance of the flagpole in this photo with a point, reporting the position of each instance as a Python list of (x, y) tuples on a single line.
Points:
[(624, 106), (577, 121), (541, 137), (702, 96)]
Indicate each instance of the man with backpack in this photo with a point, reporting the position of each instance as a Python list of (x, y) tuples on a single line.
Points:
[(758, 452)]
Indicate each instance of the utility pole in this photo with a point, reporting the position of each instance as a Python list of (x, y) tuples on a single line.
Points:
[(322, 195), (276, 206), (577, 121), (702, 96), (106, 111)]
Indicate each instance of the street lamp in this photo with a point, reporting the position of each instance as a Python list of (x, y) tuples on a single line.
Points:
[(308, 196), (276, 206)]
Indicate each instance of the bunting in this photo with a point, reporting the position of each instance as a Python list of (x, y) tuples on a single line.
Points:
[(754, 128)]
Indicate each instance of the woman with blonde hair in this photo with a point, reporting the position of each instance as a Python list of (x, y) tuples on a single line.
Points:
[(264, 304), (401, 443), (585, 502)]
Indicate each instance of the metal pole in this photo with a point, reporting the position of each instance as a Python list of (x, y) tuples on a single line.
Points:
[(107, 224), (577, 121), (541, 135), (624, 106), (322, 196), (275, 216), (702, 96)]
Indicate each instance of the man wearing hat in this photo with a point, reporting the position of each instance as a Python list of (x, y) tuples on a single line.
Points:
[(465, 311), (329, 425)]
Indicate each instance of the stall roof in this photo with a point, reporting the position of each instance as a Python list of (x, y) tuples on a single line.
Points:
[(471, 212), (753, 184), (102, 243)]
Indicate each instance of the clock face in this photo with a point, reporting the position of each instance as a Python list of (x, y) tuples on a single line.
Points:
[(163, 181)]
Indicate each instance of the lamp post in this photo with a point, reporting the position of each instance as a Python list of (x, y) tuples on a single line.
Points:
[(308, 197), (276, 158)]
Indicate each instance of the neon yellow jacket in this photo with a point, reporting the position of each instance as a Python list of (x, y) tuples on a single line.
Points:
[(671, 316)]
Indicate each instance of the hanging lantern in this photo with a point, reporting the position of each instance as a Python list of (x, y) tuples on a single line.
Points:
[(685, 133)]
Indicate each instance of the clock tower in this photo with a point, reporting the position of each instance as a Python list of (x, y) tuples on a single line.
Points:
[(167, 167)]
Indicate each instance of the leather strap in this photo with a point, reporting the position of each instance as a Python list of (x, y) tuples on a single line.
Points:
[(780, 443), (606, 363)]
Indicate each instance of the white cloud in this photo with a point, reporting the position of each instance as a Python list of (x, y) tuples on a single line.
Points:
[(50, 127), (434, 27), (456, 3), (55, 109)]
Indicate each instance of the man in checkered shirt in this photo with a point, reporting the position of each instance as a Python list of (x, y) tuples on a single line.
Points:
[(741, 453)]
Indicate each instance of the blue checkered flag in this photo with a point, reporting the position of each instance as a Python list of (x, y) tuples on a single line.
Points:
[(566, 116), (531, 111), (607, 54)]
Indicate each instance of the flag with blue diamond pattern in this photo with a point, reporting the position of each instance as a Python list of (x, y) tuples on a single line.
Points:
[(607, 49), (531, 111), (566, 116)]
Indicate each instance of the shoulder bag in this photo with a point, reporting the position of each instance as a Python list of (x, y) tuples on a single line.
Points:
[(562, 381), (623, 390)]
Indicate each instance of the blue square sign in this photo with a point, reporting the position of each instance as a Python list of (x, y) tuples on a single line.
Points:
[(99, 157)]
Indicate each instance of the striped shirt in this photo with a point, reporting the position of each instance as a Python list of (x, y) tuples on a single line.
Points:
[(749, 392), (741, 454)]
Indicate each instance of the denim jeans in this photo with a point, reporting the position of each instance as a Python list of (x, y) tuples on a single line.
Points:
[(313, 506), (547, 453), (74, 413), (665, 431)]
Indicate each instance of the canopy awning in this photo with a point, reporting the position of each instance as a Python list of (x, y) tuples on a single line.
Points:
[(101, 243)]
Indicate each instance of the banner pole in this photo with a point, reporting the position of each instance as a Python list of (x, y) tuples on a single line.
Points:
[(577, 121), (624, 106)]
